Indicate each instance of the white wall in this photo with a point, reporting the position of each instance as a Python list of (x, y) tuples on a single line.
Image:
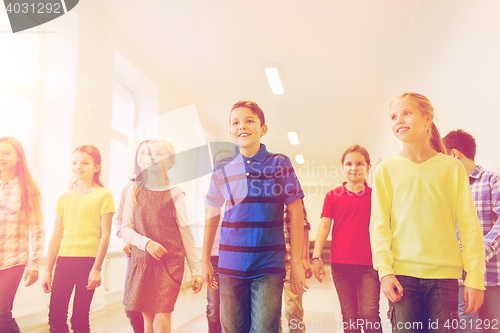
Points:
[(454, 62)]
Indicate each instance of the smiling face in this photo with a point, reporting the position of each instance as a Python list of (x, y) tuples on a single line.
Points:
[(83, 166), (408, 123), (355, 168), (245, 129), (8, 157), (155, 153)]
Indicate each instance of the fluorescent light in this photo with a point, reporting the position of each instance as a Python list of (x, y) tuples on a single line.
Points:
[(299, 158), (293, 137), (274, 81)]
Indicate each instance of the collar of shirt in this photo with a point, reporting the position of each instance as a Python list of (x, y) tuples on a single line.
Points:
[(260, 156), (10, 183), (367, 189), (477, 173)]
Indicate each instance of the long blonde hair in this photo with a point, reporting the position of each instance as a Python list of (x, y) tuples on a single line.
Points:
[(423, 104), (170, 159), (31, 199)]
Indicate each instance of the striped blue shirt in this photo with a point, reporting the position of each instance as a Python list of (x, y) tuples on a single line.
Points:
[(255, 191), (485, 187)]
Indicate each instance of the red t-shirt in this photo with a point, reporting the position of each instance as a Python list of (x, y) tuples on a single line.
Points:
[(351, 218)]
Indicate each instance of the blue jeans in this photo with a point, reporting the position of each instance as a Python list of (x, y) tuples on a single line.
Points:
[(9, 281), (71, 272), (470, 320), (487, 319), (491, 309), (358, 288), (213, 301), (428, 305), (136, 319), (251, 305)]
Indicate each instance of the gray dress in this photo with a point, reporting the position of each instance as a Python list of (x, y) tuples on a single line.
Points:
[(153, 285)]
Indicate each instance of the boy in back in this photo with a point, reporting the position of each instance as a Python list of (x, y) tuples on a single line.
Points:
[(255, 185), (485, 187)]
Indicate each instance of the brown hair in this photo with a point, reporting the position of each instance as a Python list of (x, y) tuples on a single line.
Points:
[(423, 104), (96, 156), (359, 149), (137, 167), (171, 159), (256, 110), (31, 199), (461, 141)]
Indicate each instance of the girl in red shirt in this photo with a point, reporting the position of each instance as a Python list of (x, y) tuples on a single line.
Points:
[(356, 282)]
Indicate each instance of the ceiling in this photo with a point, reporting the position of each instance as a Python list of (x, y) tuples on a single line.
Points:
[(335, 58)]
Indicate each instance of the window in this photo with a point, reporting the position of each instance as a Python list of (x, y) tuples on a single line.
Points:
[(18, 83), (123, 116), (16, 118), (122, 124)]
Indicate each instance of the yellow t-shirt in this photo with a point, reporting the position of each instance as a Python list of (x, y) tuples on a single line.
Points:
[(416, 210), (82, 221)]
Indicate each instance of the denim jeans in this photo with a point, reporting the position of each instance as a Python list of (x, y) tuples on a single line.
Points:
[(9, 281), (490, 310), (213, 301), (470, 320), (71, 272), (487, 319), (136, 319), (251, 305), (358, 288), (428, 305)]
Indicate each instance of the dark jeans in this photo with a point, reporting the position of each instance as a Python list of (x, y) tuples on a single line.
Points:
[(428, 305), (136, 319), (9, 281), (358, 289), (251, 305), (71, 272), (213, 301)]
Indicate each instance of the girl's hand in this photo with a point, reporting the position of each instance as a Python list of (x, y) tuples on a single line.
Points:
[(473, 299), (196, 283), (127, 248), (30, 277), (318, 269), (391, 288), (94, 279), (208, 274), (46, 283), (156, 250), (307, 268)]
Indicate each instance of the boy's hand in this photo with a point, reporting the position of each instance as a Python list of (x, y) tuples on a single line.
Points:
[(307, 268), (298, 280), (47, 283), (208, 275), (156, 250), (196, 283), (391, 288), (473, 299), (94, 279), (30, 277)]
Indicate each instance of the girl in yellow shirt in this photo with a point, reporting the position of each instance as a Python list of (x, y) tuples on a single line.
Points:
[(79, 242), (420, 198)]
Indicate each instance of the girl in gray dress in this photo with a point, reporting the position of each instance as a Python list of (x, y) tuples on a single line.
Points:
[(155, 221)]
